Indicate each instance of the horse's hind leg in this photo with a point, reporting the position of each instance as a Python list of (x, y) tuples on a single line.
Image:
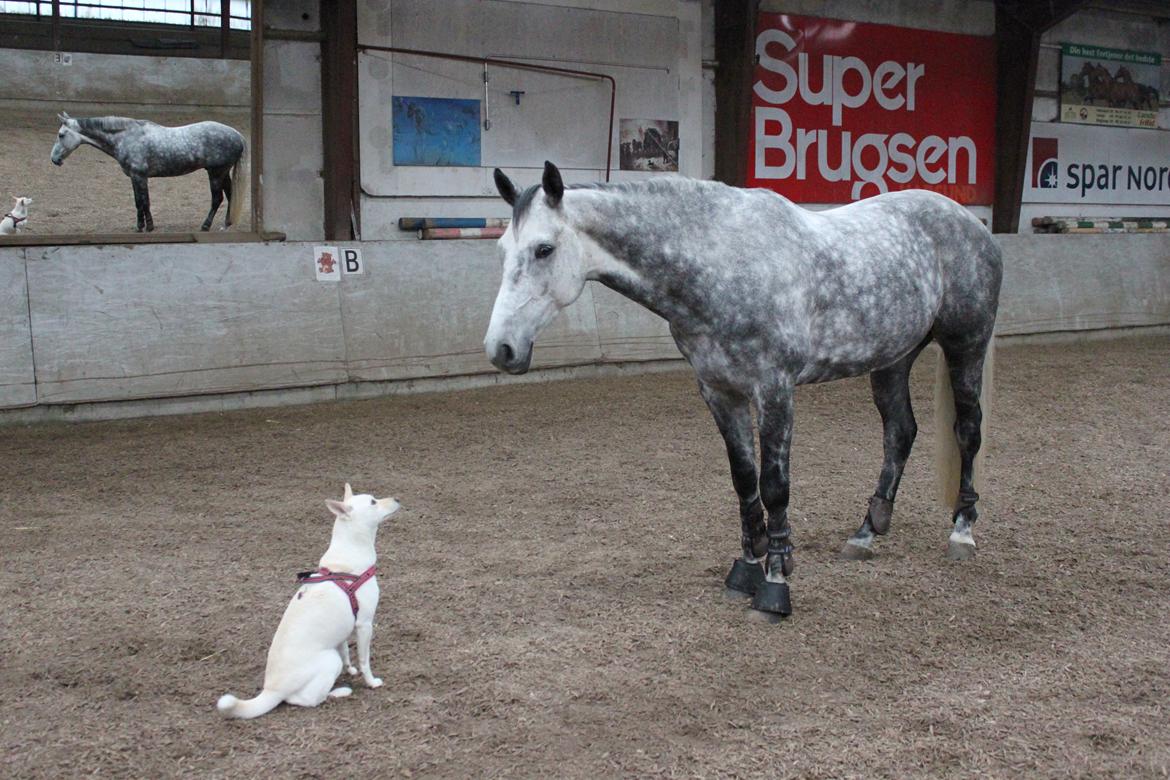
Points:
[(215, 178), (734, 419), (966, 371), (891, 395), (228, 192)]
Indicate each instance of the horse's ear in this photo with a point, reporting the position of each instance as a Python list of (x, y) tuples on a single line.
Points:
[(63, 117), (505, 186), (554, 186)]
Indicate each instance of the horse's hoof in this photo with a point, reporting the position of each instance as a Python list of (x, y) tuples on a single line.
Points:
[(773, 598), (744, 579), (960, 551), (855, 552), (765, 617)]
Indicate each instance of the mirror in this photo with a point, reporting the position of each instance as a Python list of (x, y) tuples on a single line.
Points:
[(126, 115)]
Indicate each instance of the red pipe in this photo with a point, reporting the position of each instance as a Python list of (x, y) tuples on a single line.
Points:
[(521, 66)]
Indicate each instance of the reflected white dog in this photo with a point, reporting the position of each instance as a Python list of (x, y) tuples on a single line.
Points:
[(17, 219)]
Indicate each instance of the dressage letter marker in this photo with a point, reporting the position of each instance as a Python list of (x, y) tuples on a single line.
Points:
[(351, 261), (327, 263)]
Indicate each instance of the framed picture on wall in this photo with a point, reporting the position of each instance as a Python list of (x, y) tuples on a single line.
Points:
[(1102, 86)]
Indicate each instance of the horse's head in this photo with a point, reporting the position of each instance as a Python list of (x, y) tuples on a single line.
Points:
[(543, 259), (68, 138)]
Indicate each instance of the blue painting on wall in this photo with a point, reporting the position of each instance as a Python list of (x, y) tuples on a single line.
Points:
[(436, 131)]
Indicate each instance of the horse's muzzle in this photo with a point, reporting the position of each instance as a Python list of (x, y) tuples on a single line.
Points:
[(55, 161), (512, 360)]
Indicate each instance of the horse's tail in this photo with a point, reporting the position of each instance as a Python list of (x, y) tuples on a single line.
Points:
[(239, 177), (946, 447)]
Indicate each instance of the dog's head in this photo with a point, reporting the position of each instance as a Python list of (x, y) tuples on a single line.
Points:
[(21, 202), (362, 509)]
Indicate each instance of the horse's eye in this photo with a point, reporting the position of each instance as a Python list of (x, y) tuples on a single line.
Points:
[(373, 502), (544, 250)]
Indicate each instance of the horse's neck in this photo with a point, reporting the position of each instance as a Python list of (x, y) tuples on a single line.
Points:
[(107, 141), (640, 253)]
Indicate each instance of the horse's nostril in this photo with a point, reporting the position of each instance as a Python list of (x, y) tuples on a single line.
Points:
[(506, 353)]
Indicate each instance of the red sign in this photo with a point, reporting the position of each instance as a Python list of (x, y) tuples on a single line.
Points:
[(842, 111)]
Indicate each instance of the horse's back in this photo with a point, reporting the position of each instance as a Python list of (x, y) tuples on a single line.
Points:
[(946, 233), (180, 150)]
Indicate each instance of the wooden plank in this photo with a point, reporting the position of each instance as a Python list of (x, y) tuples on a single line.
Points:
[(129, 239), (114, 323), (339, 116), (735, 50), (17, 380)]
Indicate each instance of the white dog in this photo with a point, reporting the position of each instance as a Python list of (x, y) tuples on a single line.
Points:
[(311, 644), (15, 219)]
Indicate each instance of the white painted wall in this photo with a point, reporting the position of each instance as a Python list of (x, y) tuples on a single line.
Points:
[(653, 48)]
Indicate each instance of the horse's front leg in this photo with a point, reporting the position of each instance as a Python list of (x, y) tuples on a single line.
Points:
[(137, 184), (733, 417), (775, 412), (142, 200)]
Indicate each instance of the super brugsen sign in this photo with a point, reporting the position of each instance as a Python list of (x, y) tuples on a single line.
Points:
[(843, 111)]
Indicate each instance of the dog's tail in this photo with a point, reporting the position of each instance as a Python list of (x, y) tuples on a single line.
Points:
[(231, 707)]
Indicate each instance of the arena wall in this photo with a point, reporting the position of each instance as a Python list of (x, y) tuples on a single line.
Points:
[(32, 78), (85, 325)]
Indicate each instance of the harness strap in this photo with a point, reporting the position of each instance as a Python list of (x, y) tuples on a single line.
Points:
[(349, 583), (15, 219)]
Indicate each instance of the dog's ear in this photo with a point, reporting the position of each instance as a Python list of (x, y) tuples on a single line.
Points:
[(348, 492), (337, 508)]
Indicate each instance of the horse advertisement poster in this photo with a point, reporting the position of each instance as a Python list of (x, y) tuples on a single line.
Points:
[(1100, 86), (844, 110)]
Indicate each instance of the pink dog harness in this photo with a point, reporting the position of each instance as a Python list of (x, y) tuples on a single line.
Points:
[(347, 582), (15, 219)]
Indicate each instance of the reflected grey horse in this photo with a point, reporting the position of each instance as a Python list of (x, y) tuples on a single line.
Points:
[(145, 149), (762, 296)]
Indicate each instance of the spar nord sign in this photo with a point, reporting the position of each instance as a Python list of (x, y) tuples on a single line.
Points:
[(842, 111)]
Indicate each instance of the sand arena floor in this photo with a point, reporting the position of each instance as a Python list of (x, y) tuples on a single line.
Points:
[(551, 593)]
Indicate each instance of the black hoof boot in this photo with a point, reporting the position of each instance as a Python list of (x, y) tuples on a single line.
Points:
[(772, 598), (744, 579)]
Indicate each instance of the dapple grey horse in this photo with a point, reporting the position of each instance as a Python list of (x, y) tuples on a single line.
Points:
[(762, 296), (145, 149)]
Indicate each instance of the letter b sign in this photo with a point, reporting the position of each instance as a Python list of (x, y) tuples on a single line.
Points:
[(351, 261)]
